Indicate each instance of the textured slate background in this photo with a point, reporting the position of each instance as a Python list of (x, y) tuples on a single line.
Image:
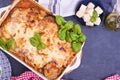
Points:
[(101, 53)]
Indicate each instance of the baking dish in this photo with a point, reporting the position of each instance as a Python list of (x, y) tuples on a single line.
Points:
[(75, 60)]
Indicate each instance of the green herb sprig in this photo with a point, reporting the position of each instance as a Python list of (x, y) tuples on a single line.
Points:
[(6, 45), (71, 33), (36, 42), (94, 16)]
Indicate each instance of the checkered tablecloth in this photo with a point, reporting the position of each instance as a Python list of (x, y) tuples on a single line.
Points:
[(28, 75), (114, 77)]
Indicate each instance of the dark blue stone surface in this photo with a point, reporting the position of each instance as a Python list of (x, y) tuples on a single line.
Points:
[(101, 53)]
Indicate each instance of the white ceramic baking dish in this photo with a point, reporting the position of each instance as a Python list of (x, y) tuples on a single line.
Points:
[(73, 65)]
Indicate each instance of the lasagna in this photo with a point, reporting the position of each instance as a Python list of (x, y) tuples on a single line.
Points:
[(22, 22)]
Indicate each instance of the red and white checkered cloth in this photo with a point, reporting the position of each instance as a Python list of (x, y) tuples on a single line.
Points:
[(28, 75), (114, 77)]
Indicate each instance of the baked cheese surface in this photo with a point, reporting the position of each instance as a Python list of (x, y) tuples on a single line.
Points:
[(22, 24)]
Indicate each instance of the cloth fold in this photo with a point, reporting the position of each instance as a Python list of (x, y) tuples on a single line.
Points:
[(60, 7), (67, 8)]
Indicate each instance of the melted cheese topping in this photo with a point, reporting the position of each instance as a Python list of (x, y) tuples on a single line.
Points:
[(22, 24)]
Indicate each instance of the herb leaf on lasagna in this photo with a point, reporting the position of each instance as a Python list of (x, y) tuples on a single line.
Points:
[(36, 42)]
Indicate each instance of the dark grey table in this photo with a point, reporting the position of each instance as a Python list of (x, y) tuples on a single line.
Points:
[(101, 53)]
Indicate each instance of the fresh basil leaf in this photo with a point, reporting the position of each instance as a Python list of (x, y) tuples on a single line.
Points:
[(74, 36), (68, 38), (10, 43), (2, 44), (59, 20), (41, 46), (76, 46), (93, 19), (62, 26), (62, 34), (95, 14), (34, 42), (69, 25), (77, 29), (37, 37), (82, 37)]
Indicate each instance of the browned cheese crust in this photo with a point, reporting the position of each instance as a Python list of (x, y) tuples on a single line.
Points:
[(22, 23)]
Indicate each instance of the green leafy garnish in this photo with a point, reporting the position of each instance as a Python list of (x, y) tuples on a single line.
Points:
[(76, 46), (41, 46), (93, 19), (62, 34), (77, 29), (2, 44), (69, 25), (62, 26), (36, 42), (37, 37), (71, 33), (82, 38), (6, 45), (94, 16), (68, 38), (59, 20), (74, 36), (10, 43)]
